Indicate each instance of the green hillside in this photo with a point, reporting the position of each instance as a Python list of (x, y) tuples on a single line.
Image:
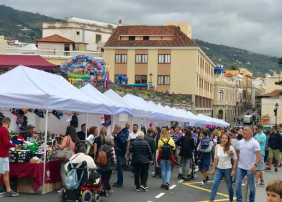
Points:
[(21, 25), (257, 63)]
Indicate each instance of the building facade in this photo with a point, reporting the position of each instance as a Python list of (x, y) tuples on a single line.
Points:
[(225, 97), (164, 56), (258, 90), (247, 85), (87, 34), (270, 82)]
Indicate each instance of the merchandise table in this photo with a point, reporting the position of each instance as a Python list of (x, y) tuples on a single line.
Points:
[(35, 171)]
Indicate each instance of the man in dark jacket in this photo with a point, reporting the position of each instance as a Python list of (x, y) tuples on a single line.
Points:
[(142, 157), (120, 148), (149, 138), (125, 130), (274, 146)]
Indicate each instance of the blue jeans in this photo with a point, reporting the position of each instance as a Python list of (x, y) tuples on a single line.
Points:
[(166, 170), (219, 173), (241, 173), (119, 169)]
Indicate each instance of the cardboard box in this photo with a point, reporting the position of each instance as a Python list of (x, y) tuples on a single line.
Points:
[(25, 185)]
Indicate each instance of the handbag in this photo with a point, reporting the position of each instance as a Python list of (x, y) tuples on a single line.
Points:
[(66, 152)]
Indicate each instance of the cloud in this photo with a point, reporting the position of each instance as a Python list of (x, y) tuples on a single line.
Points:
[(254, 25)]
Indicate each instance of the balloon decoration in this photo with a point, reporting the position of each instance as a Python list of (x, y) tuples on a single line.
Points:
[(83, 69)]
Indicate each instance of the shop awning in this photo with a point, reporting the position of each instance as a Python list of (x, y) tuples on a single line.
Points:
[(8, 62)]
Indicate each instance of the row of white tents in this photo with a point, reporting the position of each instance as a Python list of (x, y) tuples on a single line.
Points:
[(25, 87)]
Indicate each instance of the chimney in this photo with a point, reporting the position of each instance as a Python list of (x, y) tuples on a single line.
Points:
[(183, 26), (119, 23)]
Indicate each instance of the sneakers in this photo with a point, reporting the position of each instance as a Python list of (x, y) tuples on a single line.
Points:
[(144, 188), (166, 186), (203, 183), (138, 190), (261, 183), (110, 192), (12, 194), (268, 169), (276, 170), (207, 179)]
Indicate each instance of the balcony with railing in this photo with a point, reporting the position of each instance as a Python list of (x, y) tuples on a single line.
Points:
[(52, 53)]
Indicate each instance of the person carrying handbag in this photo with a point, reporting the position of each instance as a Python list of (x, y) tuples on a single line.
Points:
[(69, 141)]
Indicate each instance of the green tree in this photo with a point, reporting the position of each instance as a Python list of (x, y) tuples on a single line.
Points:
[(233, 67), (280, 65)]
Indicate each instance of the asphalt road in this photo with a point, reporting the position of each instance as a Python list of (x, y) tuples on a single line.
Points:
[(180, 191)]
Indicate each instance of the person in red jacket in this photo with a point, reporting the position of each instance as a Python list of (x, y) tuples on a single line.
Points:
[(5, 144)]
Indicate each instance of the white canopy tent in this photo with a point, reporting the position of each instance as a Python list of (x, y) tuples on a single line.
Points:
[(179, 118), (92, 92), (24, 87), (137, 111)]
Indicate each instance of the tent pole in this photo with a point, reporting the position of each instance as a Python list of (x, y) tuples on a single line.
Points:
[(45, 147), (86, 125)]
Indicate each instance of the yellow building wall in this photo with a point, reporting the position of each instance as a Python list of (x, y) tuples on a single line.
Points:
[(152, 65), (55, 61), (131, 66), (183, 71), (109, 58)]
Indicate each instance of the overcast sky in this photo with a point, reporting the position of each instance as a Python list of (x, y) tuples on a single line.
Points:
[(255, 25)]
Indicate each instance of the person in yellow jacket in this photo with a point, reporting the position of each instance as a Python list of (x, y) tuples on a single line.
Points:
[(165, 162)]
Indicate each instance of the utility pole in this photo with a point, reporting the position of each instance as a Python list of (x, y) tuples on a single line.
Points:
[(275, 113)]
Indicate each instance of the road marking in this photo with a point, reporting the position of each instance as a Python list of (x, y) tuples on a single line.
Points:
[(180, 181), (172, 187), (160, 195), (208, 190)]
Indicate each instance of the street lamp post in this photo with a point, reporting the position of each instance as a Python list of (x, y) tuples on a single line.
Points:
[(275, 113), (151, 75)]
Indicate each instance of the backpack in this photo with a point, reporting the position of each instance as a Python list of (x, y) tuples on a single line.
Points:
[(72, 181), (205, 142), (166, 150), (102, 159)]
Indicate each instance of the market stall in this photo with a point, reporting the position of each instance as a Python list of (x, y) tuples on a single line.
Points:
[(28, 88)]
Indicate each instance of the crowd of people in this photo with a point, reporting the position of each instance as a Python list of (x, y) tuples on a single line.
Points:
[(232, 154)]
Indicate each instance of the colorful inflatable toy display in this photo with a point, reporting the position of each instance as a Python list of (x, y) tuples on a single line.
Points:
[(83, 69)]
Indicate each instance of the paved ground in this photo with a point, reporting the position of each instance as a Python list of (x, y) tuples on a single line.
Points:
[(179, 192)]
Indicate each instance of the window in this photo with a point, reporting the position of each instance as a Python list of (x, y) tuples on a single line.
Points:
[(98, 38), (164, 59), (121, 58), (145, 37), (140, 79), (131, 38), (221, 95), (163, 80), (141, 59)]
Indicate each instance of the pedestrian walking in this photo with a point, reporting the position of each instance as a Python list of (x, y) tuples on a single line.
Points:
[(222, 166), (274, 191), (156, 136), (261, 138), (141, 158), (187, 146), (120, 150), (274, 146), (205, 147), (99, 141), (5, 144), (165, 157), (149, 138), (110, 165), (248, 153)]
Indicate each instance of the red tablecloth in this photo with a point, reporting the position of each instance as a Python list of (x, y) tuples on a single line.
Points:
[(35, 170)]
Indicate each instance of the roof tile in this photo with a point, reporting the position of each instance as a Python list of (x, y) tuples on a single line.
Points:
[(55, 39)]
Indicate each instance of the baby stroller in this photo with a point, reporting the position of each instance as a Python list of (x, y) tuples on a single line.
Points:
[(193, 174), (88, 189)]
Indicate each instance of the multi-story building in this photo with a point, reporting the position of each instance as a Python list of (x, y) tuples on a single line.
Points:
[(87, 35), (225, 97), (239, 94), (3, 45), (247, 85), (258, 89), (270, 82), (165, 56)]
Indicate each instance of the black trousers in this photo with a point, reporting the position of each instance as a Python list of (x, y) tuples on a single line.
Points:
[(141, 172), (106, 176)]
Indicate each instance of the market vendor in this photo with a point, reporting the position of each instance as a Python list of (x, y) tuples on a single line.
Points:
[(81, 134), (28, 132)]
